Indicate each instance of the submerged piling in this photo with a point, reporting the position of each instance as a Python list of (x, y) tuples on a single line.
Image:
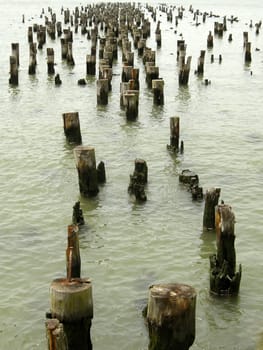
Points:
[(138, 180)]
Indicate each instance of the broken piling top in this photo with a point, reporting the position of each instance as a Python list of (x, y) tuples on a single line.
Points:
[(171, 316), (87, 172), (225, 220), (71, 301), (86, 153), (211, 201)]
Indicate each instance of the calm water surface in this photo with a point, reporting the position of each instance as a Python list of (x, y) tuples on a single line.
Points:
[(125, 247)]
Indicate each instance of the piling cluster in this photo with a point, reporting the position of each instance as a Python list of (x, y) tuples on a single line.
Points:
[(114, 30)]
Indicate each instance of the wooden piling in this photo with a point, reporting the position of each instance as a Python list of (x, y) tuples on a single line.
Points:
[(184, 70), (200, 65), (73, 261), (131, 103), (55, 334), (102, 91), (248, 58), (71, 303), (174, 134), (91, 65), (70, 59), (41, 36), (30, 34), (152, 72), (50, 61), (72, 127), (188, 177), (77, 215), (138, 180), (58, 81), (13, 80), (87, 172), (157, 87), (211, 201), (210, 40), (15, 52), (101, 173), (171, 316), (32, 58), (224, 280)]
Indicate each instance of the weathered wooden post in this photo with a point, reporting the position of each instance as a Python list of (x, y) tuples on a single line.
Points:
[(184, 70), (158, 96), (141, 45), (50, 61), (55, 334), (135, 79), (211, 201), (91, 65), (73, 261), (71, 304), (77, 215), (224, 280), (200, 65), (30, 34), (32, 58), (41, 36), (15, 51), (248, 58), (64, 48), (72, 127), (59, 28), (13, 71), (191, 179), (70, 59), (174, 134), (87, 172), (210, 40), (131, 103), (138, 180), (102, 91), (101, 173), (126, 74), (245, 38), (171, 316), (152, 72), (58, 81)]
